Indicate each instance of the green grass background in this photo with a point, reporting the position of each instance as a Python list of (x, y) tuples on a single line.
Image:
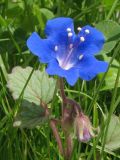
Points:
[(18, 19)]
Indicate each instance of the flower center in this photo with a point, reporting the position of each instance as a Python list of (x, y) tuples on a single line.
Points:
[(68, 58), (66, 63)]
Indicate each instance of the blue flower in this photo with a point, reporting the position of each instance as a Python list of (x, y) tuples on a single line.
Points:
[(69, 55)]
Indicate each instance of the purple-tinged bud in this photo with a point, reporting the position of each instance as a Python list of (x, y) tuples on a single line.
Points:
[(83, 128)]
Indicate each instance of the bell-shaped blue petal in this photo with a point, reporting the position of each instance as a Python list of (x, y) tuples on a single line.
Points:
[(70, 75), (59, 28), (58, 25), (94, 40), (89, 67), (43, 48)]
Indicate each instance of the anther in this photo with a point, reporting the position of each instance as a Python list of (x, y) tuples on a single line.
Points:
[(82, 39), (70, 34), (68, 29), (87, 31), (81, 56), (56, 48), (79, 28)]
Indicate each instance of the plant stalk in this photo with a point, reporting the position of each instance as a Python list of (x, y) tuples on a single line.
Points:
[(56, 135), (54, 128)]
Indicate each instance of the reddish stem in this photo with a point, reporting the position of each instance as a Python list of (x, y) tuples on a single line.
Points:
[(62, 92), (67, 100), (69, 147), (75, 109), (54, 128), (56, 135)]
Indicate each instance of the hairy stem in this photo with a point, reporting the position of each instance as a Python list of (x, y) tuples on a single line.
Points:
[(62, 92), (67, 100), (54, 128), (67, 118), (69, 148), (56, 135)]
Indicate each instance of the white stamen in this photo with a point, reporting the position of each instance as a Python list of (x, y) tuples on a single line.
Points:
[(87, 31), (56, 48), (68, 29), (81, 56), (71, 46), (70, 34), (79, 28), (82, 39)]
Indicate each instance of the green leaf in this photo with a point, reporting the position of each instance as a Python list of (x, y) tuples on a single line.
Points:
[(108, 46), (111, 75), (108, 3), (14, 11), (42, 15), (2, 21), (47, 13), (110, 79), (30, 115), (108, 59), (37, 13), (113, 135), (111, 31), (39, 88)]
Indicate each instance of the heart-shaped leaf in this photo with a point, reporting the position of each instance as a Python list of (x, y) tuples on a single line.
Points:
[(110, 79), (111, 31), (113, 135), (30, 115), (39, 88)]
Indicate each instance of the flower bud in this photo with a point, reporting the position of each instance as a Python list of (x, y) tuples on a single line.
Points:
[(83, 128)]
